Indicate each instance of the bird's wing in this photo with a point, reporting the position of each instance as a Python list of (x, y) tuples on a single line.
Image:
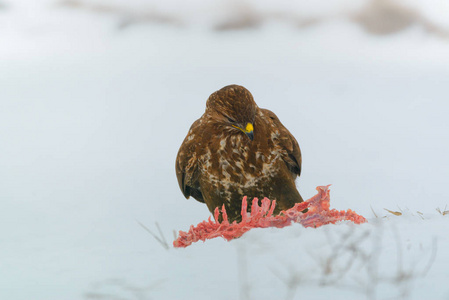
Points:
[(187, 166), (288, 142)]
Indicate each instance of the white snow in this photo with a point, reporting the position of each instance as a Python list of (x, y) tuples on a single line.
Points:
[(94, 105)]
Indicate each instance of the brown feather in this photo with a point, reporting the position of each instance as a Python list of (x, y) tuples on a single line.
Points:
[(218, 164)]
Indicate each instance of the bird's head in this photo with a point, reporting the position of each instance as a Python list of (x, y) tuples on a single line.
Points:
[(233, 106)]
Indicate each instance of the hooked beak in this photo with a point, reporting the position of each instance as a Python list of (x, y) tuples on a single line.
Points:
[(250, 135), (249, 130)]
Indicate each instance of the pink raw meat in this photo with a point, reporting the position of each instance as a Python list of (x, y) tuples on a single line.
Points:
[(318, 214)]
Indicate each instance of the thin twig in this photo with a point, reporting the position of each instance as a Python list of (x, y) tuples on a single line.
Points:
[(160, 239), (374, 213)]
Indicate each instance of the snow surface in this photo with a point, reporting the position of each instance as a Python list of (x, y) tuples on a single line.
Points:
[(94, 106)]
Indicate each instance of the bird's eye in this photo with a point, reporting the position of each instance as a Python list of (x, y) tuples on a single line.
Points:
[(231, 120)]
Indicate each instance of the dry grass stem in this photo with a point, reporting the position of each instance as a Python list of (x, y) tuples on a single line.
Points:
[(443, 212), (161, 239), (396, 213)]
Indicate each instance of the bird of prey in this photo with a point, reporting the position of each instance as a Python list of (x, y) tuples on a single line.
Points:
[(237, 149)]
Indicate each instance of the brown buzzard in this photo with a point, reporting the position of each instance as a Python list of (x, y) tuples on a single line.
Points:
[(237, 149)]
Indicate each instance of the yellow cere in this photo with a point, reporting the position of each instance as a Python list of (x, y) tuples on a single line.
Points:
[(249, 128)]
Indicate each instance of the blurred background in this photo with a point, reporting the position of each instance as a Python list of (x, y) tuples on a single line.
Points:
[(97, 96)]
